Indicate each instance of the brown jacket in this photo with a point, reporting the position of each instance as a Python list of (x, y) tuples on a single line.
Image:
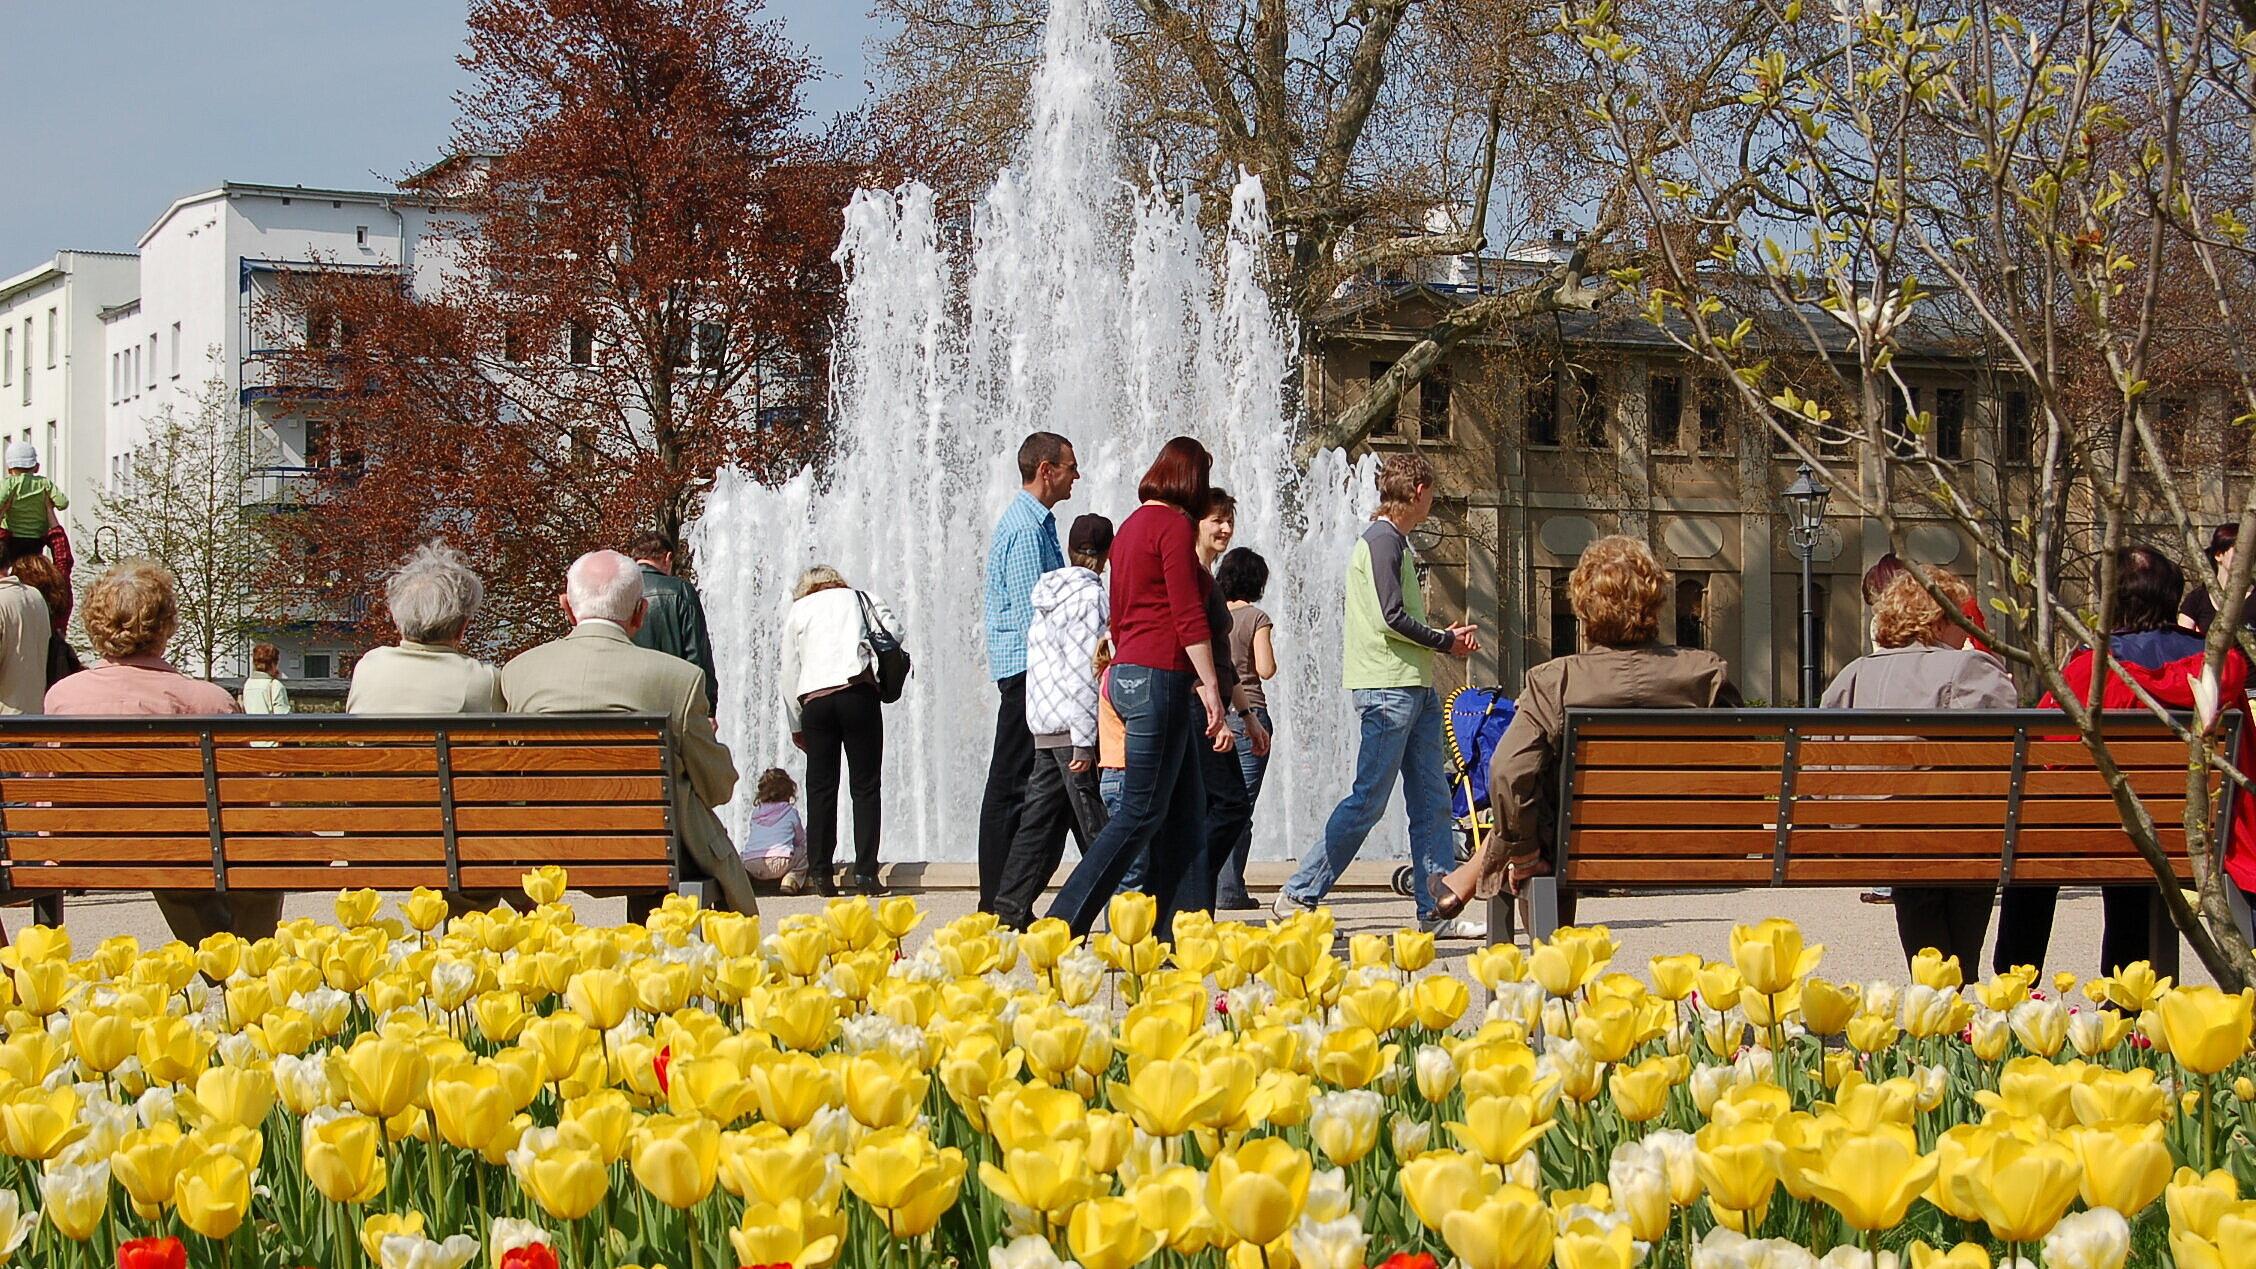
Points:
[(1523, 775)]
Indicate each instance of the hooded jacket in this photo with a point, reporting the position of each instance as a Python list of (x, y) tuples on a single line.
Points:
[(2165, 663), (1071, 612)]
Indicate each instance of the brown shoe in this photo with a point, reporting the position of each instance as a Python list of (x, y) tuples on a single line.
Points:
[(1447, 902)]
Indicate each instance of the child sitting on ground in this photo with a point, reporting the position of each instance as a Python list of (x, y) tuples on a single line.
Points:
[(28, 500), (775, 846)]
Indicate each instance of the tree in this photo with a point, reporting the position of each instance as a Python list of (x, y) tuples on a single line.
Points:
[(1388, 134), (2065, 192), (633, 291), (182, 505)]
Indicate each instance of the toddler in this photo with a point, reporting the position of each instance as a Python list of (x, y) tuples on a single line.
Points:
[(775, 846), (28, 500)]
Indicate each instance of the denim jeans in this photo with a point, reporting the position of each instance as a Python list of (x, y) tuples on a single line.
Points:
[(1230, 887), (1401, 736), (1229, 818), (1162, 805), (1109, 782)]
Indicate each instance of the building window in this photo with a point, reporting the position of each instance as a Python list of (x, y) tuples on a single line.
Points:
[(1542, 411), (1433, 405), (360, 235), (1950, 423), (1664, 411), (1564, 631), (1715, 417), (152, 361), (512, 343), (51, 325), (2173, 428), (712, 345), (7, 356), (582, 344), (176, 350), (1590, 407), (1692, 612), (1901, 442), (54, 464), (318, 665), (2016, 440)]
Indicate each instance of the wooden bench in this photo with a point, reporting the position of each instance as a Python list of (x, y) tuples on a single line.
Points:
[(319, 802), (1697, 799)]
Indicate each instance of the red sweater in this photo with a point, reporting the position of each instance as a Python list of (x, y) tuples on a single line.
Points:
[(1158, 590), (2162, 661)]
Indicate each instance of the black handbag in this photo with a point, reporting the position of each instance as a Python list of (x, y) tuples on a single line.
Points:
[(892, 658)]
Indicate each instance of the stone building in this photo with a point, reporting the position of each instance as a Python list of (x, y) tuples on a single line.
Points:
[(1569, 427)]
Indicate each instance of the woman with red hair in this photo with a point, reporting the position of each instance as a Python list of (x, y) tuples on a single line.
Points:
[(1162, 665)]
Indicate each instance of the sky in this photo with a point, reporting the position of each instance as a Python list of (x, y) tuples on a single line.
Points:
[(117, 107)]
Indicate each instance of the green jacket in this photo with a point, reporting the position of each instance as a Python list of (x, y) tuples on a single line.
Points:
[(675, 624), (1388, 643)]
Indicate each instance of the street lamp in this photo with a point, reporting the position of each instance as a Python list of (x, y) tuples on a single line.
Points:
[(1805, 502), (99, 530)]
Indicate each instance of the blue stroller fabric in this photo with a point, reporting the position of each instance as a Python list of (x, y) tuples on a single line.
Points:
[(1475, 725)]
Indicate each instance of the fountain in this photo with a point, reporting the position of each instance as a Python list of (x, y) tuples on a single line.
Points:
[(1092, 309)]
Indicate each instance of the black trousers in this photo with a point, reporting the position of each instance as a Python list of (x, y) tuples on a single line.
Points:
[(2133, 927), (1951, 919), (1057, 798), (852, 722), (1005, 800), (1229, 816)]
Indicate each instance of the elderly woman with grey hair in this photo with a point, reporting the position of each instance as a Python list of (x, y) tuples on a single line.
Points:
[(432, 597)]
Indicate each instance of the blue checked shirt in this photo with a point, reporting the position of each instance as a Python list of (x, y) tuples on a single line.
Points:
[(1025, 547)]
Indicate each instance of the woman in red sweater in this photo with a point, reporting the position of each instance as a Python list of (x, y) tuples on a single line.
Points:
[(1162, 662), (2165, 659)]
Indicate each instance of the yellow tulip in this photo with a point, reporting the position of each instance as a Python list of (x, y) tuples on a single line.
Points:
[(1257, 1190), (1131, 916), (103, 1039), (36, 1123), (882, 1091), (1351, 1057), (1562, 966), (172, 1049), (1501, 1129), (1827, 1008), (1439, 1001), (1930, 968), (1106, 1233), (561, 1040), (500, 1015), (342, 1157), (1734, 1165), (2021, 1187), (802, 1018), (236, 1095), (2208, 1029), (677, 1159), (1051, 1182), (383, 1225), (1674, 976), (425, 909), (1720, 987), (1030, 1116), (1769, 955), (471, 1104), (147, 1163), (1345, 1125), (790, 1089), (1961, 1256), (1641, 1092), (789, 1232), (1510, 1228), (1581, 1248), (1872, 1032), (602, 996), (906, 1178), (2196, 1203), (383, 1076), (1413, 950), (566, 1182), (1870, 1178), (1168, 1097), (2125, 1166), (544, 885), (213, 1195)]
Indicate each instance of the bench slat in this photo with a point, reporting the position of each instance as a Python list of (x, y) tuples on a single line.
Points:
[(1650, 754), (1623, 782), (1735, 843), (118, 790), (623, 876), (1908, 813)]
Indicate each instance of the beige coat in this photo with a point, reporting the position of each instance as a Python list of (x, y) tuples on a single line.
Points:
[(597, 669), (423, 678), (24, 631), (1523, 775)]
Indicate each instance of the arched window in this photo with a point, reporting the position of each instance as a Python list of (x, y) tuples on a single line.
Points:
[(1692, 612)]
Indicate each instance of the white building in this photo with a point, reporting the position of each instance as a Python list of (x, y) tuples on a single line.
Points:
[(52, 389), (208, 266)]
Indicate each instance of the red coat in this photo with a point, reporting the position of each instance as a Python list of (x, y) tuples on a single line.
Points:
[(2165, 663)]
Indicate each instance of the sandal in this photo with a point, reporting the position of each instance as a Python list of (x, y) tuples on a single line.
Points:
[(1447, 902)]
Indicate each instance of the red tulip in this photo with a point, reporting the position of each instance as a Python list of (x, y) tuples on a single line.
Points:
[(661, 1064), (530, 1256), (152, 1253), (1404, 1260)]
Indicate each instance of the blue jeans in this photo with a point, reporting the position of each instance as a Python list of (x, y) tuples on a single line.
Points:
[(1162, 806), (1401, 736), (1109, 783), (1230, 887)]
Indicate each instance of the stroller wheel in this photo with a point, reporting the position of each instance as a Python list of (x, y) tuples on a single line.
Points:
[(1402, 879)]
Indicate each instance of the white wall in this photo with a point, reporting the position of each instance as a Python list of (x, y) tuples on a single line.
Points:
[(64, 413)]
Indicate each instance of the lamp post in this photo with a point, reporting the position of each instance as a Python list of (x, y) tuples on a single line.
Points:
[(1805, 502), (99, 530)]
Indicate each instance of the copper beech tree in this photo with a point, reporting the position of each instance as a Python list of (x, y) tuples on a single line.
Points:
[(631, 288)]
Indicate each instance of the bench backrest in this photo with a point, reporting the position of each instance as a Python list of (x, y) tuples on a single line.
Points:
[(318, 802), (1847, 797)]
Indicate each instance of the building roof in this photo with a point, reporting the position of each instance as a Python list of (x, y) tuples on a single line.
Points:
[(50, 269), (378, 197), (116, 311)]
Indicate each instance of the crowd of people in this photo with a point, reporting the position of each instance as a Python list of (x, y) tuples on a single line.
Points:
[(1129, 663)]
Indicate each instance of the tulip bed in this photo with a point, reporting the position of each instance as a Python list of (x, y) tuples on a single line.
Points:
[(517, 1090)]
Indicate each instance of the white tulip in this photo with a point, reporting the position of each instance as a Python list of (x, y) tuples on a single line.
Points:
[(2097, 1239)]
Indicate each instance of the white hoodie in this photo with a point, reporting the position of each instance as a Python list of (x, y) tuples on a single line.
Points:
[(1071, 611)]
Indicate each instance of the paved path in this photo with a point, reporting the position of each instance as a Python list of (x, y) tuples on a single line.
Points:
[(1859, 938)]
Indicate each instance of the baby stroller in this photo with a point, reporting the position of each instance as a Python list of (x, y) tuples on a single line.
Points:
[(1471, 728)]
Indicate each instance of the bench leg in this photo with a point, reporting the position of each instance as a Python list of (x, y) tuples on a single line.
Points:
[(47, 910), (1543, 907), (706, 892), (1502, 914)]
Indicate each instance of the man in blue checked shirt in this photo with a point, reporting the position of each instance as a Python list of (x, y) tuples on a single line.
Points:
[(1025, 546)]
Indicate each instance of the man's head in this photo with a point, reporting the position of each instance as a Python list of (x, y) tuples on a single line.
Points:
[(1047, 468), (1406, 489), (22, 456), (605, 586), (652, 547)]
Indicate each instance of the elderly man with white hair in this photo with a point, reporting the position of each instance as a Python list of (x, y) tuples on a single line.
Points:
[(598, 669), (431, 598)]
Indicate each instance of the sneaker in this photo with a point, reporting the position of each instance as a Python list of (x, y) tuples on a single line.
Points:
[(1286, 907), (1455, 928)]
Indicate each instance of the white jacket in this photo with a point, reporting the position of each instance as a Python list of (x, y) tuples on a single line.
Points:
[(1072, 607), (823, 645)]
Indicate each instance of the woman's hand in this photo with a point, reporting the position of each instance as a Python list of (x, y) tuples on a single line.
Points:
[(1257, 734), (1525, 869)]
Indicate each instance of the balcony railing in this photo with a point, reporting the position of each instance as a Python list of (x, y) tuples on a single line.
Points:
[(280, 486)]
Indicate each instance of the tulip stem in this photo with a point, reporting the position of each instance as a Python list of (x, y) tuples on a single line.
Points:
[(696, 1249), (2208, 1122)]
